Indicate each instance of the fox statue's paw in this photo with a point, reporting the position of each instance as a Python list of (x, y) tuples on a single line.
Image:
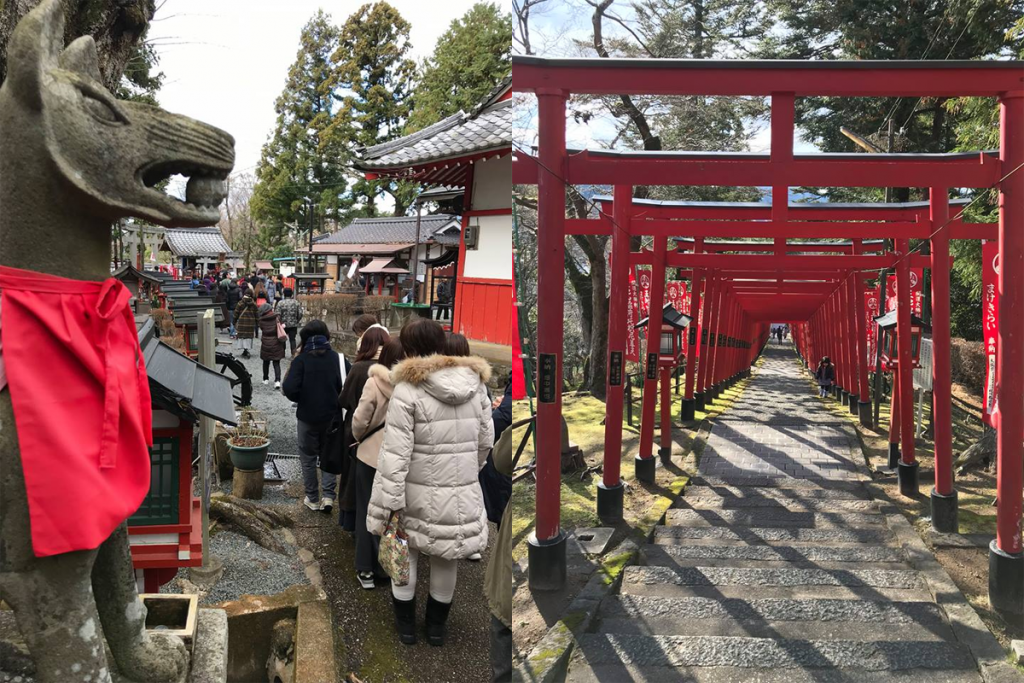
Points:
[(158, 658)]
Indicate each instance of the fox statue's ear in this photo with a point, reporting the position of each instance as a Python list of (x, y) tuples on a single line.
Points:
[(33, 50), (82, 58)]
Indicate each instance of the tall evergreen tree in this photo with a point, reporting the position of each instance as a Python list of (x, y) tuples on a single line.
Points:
[(372, 77), (300, 163), (468, 60)]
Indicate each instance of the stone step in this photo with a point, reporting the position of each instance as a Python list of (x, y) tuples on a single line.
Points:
[(803, 493), (786, 583), (779, 483), (794, 536), (794, 504), (772, 518), (822, 557), (795, 619), (625, 657)]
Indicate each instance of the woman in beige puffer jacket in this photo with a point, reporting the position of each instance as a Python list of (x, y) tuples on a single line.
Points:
[(438, 434)]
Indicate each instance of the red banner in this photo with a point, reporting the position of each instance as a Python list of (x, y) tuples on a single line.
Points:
[(916, 292), (643, 278), (870, 312), (632, 335), (990, 323), (675, 294)]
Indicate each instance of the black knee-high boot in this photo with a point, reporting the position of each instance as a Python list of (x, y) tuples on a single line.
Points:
[(405, 620), (437, 615)]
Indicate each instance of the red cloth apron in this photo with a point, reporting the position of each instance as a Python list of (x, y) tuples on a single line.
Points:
[(81, 405)]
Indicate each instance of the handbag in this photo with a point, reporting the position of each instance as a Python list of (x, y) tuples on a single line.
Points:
[(394, 551), (281, 334)]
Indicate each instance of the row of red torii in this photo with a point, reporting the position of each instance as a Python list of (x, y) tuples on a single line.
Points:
[(816, 286)]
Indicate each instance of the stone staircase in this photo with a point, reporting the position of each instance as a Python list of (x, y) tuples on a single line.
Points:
[(776, 566)]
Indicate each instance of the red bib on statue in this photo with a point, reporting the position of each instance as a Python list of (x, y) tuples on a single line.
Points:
[(81, 403)]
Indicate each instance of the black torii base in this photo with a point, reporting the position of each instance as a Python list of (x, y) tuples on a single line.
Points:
[(907, 477), (547, 562), (609, 502), (1006, 584), (864, 412), (645, 468), (687, 410), (698, 398), (894, 455), (945, 517), (854, 405)]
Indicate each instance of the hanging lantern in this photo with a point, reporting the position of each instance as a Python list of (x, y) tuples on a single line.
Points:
[(888, 343)]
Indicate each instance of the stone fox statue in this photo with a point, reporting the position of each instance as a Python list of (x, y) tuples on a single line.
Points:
[(72, 160)]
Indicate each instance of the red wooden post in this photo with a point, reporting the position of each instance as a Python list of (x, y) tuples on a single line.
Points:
[(716, 324), (908, 467), (706, 325), (1006, 553), (645, 463), (610, 490), (689, 406), (853, 340), (857, 291), (547, 543), (943, 496), (665, 381)]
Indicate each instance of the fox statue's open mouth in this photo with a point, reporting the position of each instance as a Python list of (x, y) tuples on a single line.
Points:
[(206, 188)]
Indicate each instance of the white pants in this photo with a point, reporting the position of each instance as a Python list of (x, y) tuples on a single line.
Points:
[(442, 579)]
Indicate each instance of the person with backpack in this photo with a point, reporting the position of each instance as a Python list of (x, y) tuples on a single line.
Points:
[(826, 375), (271, 345), (368, 422), (314, 380), (438, 436), (232, 295)]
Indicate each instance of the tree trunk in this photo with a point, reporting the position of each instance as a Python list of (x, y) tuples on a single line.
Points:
[(116, 25), (984, 449), (246, 484)]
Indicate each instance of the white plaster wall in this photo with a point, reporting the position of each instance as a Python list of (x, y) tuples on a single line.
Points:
[(493, 258), (492, 184)]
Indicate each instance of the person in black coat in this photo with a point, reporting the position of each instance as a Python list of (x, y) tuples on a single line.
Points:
[(232, 295), (370, 346), (826, 376), (314, 379)]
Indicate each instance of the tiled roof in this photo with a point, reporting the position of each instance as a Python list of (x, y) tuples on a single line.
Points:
[(489, 128), (392, 230), (196, 242)]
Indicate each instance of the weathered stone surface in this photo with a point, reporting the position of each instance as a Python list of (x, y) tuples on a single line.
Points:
[(682, 534), (729, 576), (805, 554), (210, 652), (771, 517), (314, 644), (71, 162)]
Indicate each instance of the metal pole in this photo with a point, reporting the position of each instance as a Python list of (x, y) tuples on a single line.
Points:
[(415, 254)]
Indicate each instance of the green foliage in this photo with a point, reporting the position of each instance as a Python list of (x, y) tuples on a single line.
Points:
[(300, 161), (141, 81), (469, 59), (372, 81)]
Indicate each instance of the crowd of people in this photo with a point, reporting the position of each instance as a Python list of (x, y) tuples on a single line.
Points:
[(403, 430)]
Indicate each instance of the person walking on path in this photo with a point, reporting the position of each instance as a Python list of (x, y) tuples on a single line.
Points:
[(313, 382), (271, 346), (290, 311), (368, 422), (826, 375), (370, 345), (232, 295), (498, 576), (245, 325), (438, 436)]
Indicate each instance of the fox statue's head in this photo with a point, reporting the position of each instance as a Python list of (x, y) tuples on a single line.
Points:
[(57, 119)]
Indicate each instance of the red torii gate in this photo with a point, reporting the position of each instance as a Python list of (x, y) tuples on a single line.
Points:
[(721, 274)]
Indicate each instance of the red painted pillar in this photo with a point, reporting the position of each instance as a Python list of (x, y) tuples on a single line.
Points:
[(610, 490), (943, 496), (1006, 554), (908, 467), (547, 543), (666, 411), (689, 406), (857, 291), (645, 463), (708, 314), (853, 341), (711, 380)]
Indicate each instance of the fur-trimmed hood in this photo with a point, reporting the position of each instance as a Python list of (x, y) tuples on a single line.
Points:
[(382, 376), (451, 379)]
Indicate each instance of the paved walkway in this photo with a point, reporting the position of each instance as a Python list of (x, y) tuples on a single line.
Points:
[(777, 566)]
